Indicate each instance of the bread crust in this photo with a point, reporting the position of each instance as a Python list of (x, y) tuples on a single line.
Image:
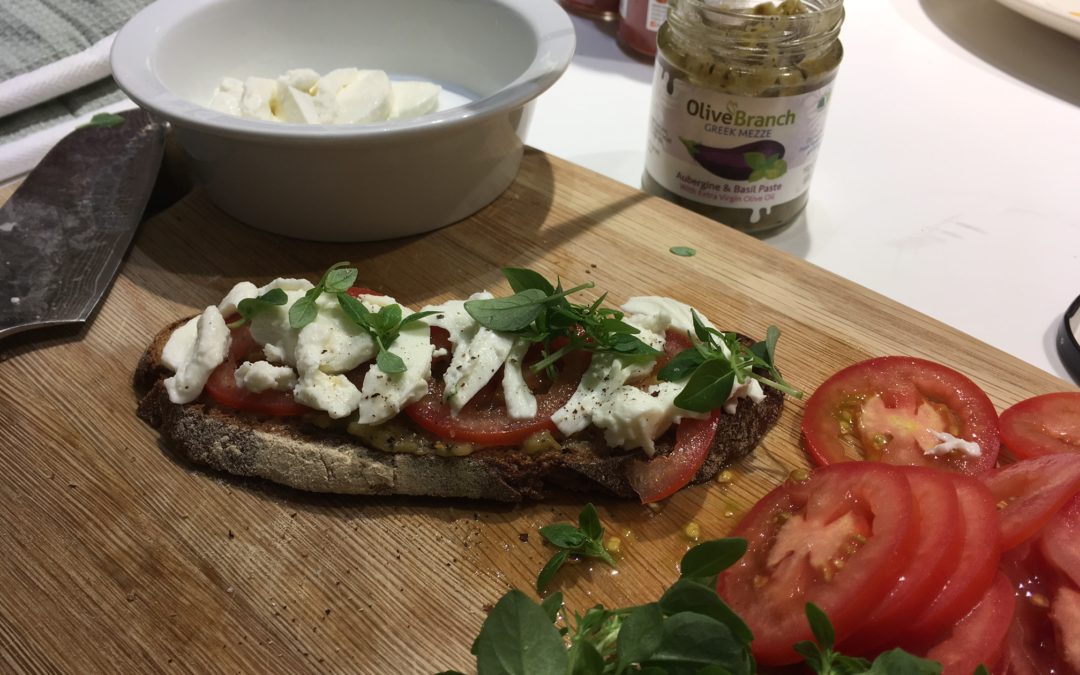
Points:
[(302, 455)]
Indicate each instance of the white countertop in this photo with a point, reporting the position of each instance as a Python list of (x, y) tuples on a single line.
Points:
[(949, 176)]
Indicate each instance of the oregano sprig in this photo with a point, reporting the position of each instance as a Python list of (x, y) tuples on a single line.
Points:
[(718, 360), (249, 307), (690, 629), (586, 539), (384, 327), (540, 311)]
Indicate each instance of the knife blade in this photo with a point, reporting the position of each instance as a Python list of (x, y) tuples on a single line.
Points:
[(64, 232)]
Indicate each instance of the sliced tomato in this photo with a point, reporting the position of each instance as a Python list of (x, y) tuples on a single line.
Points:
[(979, 555), (888, 409), (1060, 541), (1038, 643), (223, 389), (839, 539), (357, 291), (935, 559), (661, 477), (1042, 425), (1030, 492), (484, 419), (978, 638)]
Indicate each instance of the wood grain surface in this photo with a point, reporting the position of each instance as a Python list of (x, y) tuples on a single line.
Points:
[(119, 557)]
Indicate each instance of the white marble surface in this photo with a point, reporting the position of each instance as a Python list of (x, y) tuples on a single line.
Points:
[(949, 177)]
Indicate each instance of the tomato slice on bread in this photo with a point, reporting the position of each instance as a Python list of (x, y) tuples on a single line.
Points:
[(839, 539), (1042, 425), (222, 387), (484, 419), (894, 409)]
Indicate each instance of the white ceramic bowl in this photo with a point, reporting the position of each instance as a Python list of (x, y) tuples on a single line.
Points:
[(349, 182)]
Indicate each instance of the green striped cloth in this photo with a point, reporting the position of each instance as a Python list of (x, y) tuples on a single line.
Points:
[(35, 33)]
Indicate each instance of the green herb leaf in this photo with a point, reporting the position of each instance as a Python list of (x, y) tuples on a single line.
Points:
[(510, 314), (543, 580), (563, 535), (982, 670), (517, 638), (692, 641), (389, 363), (589, 521), (683, 364), (689, 595), (683, 251), (708, 388), (414, 317), (553, 605), (585, 659), (524, 279), (249, 307), (104, 121), (639, 636), (710, 558), (338, 279), (355, 311), (820, 626), (899, 662), (304, 310)]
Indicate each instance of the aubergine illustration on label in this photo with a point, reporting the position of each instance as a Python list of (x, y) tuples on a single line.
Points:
[(750, 162)]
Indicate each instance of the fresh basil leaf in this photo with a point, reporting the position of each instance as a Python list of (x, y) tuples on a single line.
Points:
[(684, 363), (710, 558), (639, 636), (589, 520), (982, 670), (899, 662), (414, 317), (708, 388), (355, 310), (687, 595), (552, 605), (339, 280), (811, 653), (249, 307), (563, 535), (304, 310), (683, 251), (104, 121), (548, 572), (518, 639), (847, 665), (613, 325), (695, 640), (820, 626), (513, 313), (703, 332), (390, 316), (631, 345), (389, 362), (584, 659), (524, 279)]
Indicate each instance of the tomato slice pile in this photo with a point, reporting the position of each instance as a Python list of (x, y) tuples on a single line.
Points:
[(888, 409), (902, 556)]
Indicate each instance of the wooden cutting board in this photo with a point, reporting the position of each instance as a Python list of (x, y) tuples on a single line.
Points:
[(118, 556)]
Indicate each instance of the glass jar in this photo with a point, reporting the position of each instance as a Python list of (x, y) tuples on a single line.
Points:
[(639, 21), (597, 9), (740, 93)]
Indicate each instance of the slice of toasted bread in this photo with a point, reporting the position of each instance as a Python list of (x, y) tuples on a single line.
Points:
[(300, 454)]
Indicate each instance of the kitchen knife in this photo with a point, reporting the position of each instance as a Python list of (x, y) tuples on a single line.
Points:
[(64, 232)]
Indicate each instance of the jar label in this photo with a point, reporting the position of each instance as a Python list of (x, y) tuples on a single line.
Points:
[(740, 152)]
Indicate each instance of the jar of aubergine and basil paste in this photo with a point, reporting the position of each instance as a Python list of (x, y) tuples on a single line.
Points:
[(740, 93)]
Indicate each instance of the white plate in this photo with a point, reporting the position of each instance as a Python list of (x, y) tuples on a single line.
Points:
[(1062, 15)]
